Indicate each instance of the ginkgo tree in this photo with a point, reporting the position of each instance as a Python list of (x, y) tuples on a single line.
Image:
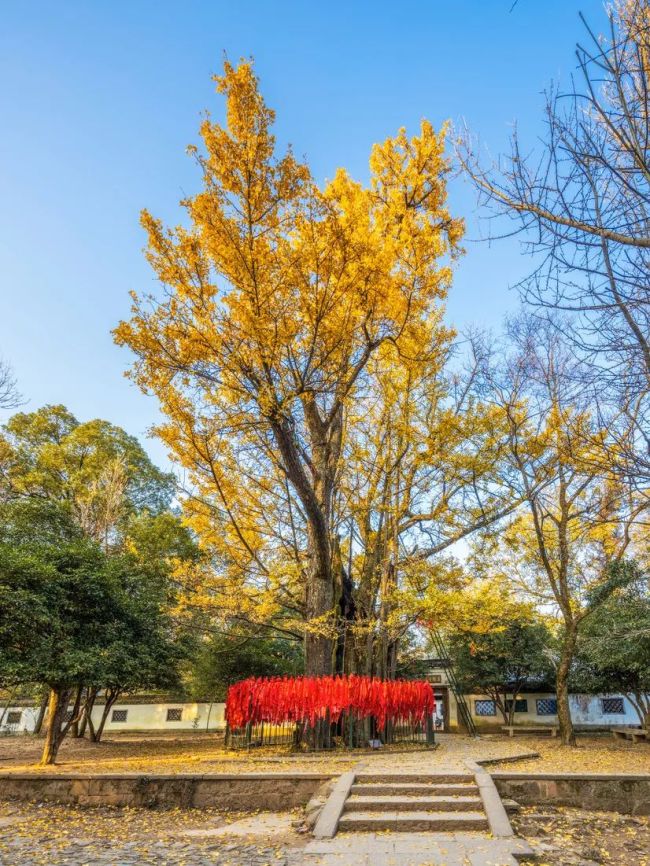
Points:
[(277, 296), (581, 515)]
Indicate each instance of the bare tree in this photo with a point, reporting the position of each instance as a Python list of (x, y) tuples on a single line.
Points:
[(583, 207), (9, 395), (566, 545)]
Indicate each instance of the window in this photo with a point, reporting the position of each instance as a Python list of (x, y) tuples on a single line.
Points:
[(174, 714), (14, 717), (546, 707), (612, 706), (521, 705), (485, 708), (119, 715)]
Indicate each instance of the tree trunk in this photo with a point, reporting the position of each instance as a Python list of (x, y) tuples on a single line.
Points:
[(91, 696), (567, 734), (315, 492), (641, 703), (57, 708), (75, 730), (318, 646), (96, 733), (347, 616), (38, 725)]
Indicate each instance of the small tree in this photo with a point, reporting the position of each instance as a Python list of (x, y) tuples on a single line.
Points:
[(54, 603), (500, 663), (614, 647), (70, 615), (142, 650), (579, 517), (227, 658)]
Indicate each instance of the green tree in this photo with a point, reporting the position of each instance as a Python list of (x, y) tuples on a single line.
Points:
[(144, 648), (614, 647), (99, 474), (228, 657), (500, 662), (78, 618)]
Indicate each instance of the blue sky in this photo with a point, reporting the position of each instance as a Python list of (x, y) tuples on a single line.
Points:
[(99, 100)]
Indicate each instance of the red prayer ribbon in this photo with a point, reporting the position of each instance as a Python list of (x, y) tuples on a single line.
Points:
[(308, 699)]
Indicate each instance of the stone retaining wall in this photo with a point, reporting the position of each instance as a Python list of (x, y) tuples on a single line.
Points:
[(272, 791), (629, 794)]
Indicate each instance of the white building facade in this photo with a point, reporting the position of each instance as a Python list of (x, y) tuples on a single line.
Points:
[(531, 708), (132, 717)]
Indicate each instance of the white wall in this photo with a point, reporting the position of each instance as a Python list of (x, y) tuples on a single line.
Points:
[(139, 717), (585, 710), (27, 722)]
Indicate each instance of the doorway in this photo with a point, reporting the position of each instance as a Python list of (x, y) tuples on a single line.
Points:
[(441, 694)]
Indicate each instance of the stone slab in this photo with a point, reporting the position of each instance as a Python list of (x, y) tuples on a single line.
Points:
[(494, 809), (328, 820)]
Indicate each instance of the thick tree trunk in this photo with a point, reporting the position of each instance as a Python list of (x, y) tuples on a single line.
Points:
[(319, 646), (313, 481), (567, 734), (56, 730), (347, 615)]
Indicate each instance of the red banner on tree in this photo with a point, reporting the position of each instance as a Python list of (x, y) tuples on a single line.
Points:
[(308, 699)]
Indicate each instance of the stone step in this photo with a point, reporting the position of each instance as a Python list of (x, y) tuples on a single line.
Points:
[(413, 804), (409, 822), (420, 778), (416, 789)]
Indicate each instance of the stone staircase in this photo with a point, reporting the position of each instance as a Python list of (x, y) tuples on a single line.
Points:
[(408, 803)]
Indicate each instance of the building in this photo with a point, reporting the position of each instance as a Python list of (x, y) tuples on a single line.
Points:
[(531, 708), (132, 716), (148, 713)]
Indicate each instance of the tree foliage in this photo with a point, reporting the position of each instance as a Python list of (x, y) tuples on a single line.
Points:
[(503, 661), (298, 352), (98, 473), (614, 645), (226, 658)]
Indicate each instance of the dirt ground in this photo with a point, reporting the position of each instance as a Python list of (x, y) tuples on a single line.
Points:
[(562, 836), (53, 835), (47, 834), (204, 753)]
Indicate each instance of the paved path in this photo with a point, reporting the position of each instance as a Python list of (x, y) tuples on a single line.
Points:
[(454, 755), (407, 849), (452, 752)]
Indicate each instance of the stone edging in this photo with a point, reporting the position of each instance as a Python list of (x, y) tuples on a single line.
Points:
[(524, 756), (234, 793), (330, 815), (577, 777), (494, 809), (627, 793), (164, 777)]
